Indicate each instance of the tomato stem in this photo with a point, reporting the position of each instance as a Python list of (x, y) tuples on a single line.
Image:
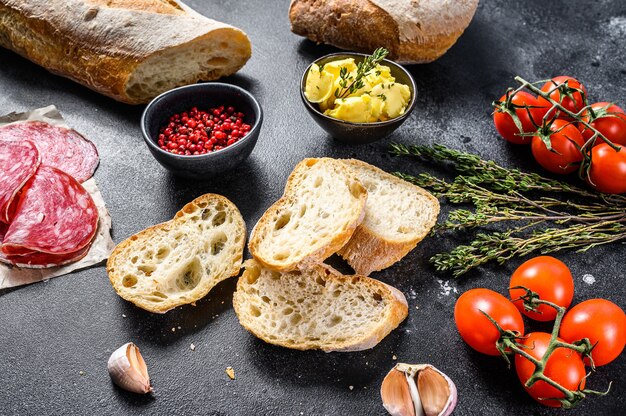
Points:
[(567, 91), (508, 344)]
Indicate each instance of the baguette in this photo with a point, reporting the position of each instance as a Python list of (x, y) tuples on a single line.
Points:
[(129, 50), (322, 205), (398, 215), (180, 261), (317, 308), (414, 31)]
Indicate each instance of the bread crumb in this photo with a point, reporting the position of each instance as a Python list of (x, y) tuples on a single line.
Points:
[(81, 372), (230, 372), (417, 307), (123, 316), (193, 347), (178, 327), (173, 329), (394, 357), (589, 279), (351, 387)]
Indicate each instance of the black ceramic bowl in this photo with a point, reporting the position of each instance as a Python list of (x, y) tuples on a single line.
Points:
[(203, 96), (359, 133)]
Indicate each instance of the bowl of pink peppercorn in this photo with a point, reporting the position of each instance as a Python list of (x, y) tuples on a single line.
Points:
[(201, 130)]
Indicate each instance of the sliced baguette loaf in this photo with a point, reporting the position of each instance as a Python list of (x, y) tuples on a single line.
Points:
[(317, 308), (398, 215), (322, 205), (130, 50), (179, 261)]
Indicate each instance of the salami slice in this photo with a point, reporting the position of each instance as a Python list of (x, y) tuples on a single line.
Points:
[(54, 215), (43, 260), (18, 163), (62, 148)]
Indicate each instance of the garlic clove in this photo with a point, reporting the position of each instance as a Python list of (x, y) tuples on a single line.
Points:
[(434, 391), (431, 392), (396, 394), (128, 370)]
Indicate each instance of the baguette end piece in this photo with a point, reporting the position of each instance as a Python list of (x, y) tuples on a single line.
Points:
[(221, 52), (129, 50), (414, 31)]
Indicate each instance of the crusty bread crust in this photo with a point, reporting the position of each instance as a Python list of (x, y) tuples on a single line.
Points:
[(124, 257), (335, 21), (102, 44), (363, 26), (317, 253), (368, 251), (247, 297)]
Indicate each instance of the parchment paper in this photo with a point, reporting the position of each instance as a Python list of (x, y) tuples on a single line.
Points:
[(103, 244)]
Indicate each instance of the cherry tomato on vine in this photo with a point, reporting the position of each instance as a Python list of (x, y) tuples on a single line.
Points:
[(608, 169), (574, 102), (564, 366), (610, 120), (506, 126), (550, 278), (565, 156), (475, 329), (601, 321)]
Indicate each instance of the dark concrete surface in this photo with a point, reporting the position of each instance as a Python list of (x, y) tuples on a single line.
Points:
[(55, 337)]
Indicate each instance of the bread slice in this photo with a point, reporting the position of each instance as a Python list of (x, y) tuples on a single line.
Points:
[(322, 205), (317, 308), (179, 261), (398, 215), (130, 50)]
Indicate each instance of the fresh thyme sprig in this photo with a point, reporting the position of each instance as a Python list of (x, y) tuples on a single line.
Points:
[(498, 177), (350, 84), (576, 218)]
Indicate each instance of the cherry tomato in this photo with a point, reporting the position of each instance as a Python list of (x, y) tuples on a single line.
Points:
[(610, 120), (550, 278), (564, 366), (565, 155), (601, 321), (475, 329), (608, 169), (573, 104), (504, 122)]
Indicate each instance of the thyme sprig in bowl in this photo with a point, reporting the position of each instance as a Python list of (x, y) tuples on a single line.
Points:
[(349, 83)]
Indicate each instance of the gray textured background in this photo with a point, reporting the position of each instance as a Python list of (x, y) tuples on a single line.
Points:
[(51, 332)]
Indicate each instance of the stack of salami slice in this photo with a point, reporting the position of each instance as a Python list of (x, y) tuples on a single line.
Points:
[(47, 218)]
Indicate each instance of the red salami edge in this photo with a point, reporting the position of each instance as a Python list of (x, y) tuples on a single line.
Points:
[(53, 142), (38, 260), (7, 209), (27, 198)]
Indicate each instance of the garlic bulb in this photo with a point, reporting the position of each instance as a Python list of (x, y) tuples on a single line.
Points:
[(418, 390), (128, 369)]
